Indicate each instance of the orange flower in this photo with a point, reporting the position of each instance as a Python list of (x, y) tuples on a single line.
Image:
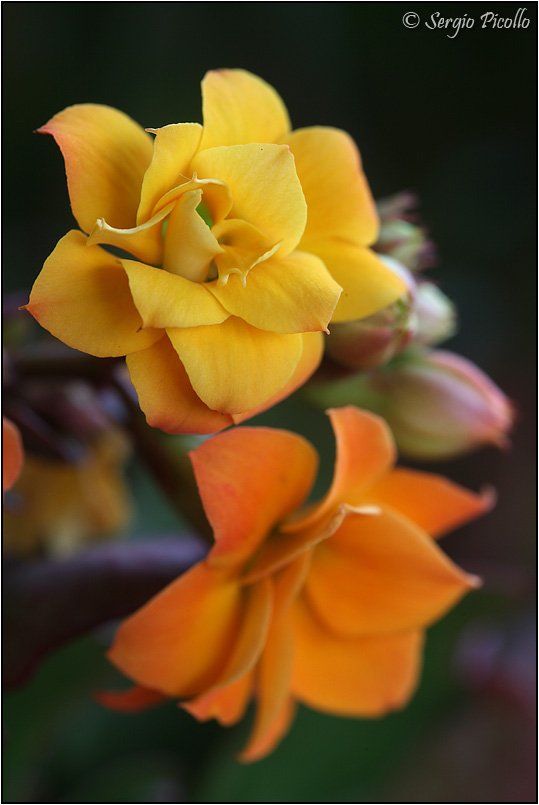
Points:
[(12, 453), (326, 604)]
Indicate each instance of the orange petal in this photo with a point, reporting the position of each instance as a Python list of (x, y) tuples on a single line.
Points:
[(132, 700), (434, 503), (166, 395), (181, 640), (173, 148), (365, 451), (82, 297), (227, 704), (12, 453), (274, 708), (283, 546), (265, 188), (248, 479), (381, 574), (368, 284), (313, 349), (167, 300), (295, 294), (106, 155), (338, 196), (238, 107), (233, 366), (361, 677)]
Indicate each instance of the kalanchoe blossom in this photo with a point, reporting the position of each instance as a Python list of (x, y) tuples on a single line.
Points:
[(242, 234), (325, 604)]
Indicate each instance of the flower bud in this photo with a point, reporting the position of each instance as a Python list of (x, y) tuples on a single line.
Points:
[(441, 405), (373, 341), (436, 319), (400, 236)]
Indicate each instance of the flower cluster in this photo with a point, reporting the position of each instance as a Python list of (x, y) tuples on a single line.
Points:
[(214, 258)]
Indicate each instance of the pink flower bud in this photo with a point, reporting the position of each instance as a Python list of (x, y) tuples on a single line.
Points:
[(435, 315), (373, 341), (400, 235), (441, 405)]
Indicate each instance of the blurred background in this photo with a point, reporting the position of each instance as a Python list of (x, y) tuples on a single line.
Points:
[(453, 119)]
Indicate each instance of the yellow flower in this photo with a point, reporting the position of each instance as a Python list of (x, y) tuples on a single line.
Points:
[(325, 605), (242, 233), (62, 505)]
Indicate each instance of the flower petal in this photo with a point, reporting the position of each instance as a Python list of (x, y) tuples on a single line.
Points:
[(274, 706), (248, 480), (190, 245), (168, 300), (238, 107), (282, 547), (180, 641), (12, 453), (173, 148), (382, 574), (82, 297), (132, 700), (365, 452), (166, 395), (106, 154), (144, 241), (362, 677), (434, 503), (295, 294), (339, 199), (368, 284), (234, 367), (227, 704), (313, 349), (265, 188)]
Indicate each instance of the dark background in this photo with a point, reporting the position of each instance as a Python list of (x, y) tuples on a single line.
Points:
[(451, 118)]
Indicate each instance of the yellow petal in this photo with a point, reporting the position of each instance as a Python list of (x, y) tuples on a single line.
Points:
[(433, 502), (166, 395), (106, 154), (238, 107), (339, 199), (234, 367), (145, 242), (248, 480), (216, 196), (179, 642), (380, 574), (244, 246), (362, 677), (167, 300), (313, 349), (295, 294), (190, 246), (274, 711), (368, 285), (173, 148), (265, 188), (82, 297), (365, 452)]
